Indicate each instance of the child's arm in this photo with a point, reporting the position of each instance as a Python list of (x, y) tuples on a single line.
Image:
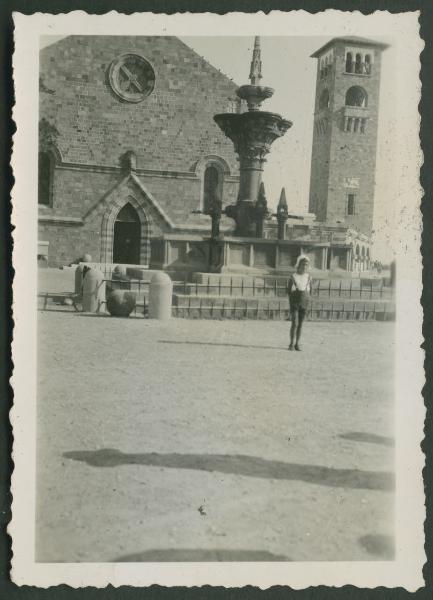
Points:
[(289, 284)]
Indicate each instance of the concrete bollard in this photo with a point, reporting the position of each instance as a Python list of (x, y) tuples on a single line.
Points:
[(93, 291), (160, 296)]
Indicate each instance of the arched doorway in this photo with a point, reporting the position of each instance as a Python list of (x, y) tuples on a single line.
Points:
[(127, 236)]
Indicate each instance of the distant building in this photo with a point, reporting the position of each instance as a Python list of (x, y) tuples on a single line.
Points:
[(345, 132), (128, 145)]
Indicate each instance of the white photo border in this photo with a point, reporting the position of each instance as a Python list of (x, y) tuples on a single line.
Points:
[(406, 569)]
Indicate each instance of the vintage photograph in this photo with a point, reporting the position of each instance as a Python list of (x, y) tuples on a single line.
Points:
[(217, 306)]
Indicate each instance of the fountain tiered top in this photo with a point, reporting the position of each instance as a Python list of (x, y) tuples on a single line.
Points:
[(254, 94)]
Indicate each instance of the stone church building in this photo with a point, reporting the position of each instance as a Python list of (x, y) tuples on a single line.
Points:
[(128, 145), (130, 156)]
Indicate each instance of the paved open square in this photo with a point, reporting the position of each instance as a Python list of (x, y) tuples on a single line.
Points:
[(208, 440)]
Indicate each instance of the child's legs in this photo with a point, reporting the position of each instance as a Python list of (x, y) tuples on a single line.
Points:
[(293, 327), (301, 316)]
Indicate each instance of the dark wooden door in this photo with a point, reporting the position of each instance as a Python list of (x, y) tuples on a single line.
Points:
[(127, 237)]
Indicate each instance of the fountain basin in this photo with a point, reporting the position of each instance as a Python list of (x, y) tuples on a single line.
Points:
[(254, 130), (254, 95)]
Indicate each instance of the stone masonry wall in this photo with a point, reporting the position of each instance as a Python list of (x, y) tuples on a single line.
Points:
[(170, 132), (170, 129)]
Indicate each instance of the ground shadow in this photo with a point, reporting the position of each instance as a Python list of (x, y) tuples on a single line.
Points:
[(379, 545), (238, 464), (222, 344), (370, 438), (201, 555)]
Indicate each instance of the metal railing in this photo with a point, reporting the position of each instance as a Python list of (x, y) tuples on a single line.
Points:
[(258, 300), (260, 287)]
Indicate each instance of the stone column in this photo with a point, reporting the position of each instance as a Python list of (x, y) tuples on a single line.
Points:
[(251, 171), (349, 259), (324, 257)]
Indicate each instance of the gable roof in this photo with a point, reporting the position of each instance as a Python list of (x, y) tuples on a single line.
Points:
[(129, 179)]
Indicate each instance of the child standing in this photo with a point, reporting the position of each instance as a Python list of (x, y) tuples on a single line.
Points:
[(299, 290)]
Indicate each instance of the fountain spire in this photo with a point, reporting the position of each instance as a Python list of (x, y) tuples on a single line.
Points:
[(256, 63)]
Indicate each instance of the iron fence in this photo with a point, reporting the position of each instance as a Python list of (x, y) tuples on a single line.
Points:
[(234, 299), (260, 287)]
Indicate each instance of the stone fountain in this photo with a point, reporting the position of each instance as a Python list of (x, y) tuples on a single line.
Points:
[(254, 249), (252, 133)]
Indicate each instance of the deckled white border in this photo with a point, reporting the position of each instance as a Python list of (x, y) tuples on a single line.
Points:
[(406, 570)]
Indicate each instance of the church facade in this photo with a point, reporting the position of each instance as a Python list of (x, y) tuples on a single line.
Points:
[(130, 157), (128, 149)]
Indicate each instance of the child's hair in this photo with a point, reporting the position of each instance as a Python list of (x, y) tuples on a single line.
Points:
[(301, 258)]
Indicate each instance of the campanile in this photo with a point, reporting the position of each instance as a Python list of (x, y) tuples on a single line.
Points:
[(345, 132)]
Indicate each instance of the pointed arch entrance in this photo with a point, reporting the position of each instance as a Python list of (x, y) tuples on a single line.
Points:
[(127, 236), (126, 231)]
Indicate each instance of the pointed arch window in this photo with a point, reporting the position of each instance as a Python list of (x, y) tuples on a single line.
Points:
[(45, 178), (211, 186), (211, 170)]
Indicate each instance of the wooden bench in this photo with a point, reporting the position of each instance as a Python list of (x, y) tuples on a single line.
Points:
[(60, 297)]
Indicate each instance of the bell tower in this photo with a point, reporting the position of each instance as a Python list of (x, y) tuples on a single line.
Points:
[(345, 132)]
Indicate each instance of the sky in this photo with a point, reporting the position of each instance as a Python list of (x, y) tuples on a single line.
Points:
[(288, 68)]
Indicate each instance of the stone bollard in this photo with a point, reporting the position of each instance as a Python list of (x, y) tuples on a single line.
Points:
[(79, 275), (160, 296), (93, 290)]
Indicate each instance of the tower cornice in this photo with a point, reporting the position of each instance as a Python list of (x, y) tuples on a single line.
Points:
[(353, 40)]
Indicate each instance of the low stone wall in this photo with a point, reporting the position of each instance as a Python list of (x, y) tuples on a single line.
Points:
[(228, 307)]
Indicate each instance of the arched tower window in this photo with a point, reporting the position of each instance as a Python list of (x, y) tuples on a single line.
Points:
[(367, 64), (45, 177), (358, 63), (356, 96), (324, 99), (327, 65), (349, 63)]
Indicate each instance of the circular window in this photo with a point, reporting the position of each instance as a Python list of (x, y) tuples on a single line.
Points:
[(132, 77)]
